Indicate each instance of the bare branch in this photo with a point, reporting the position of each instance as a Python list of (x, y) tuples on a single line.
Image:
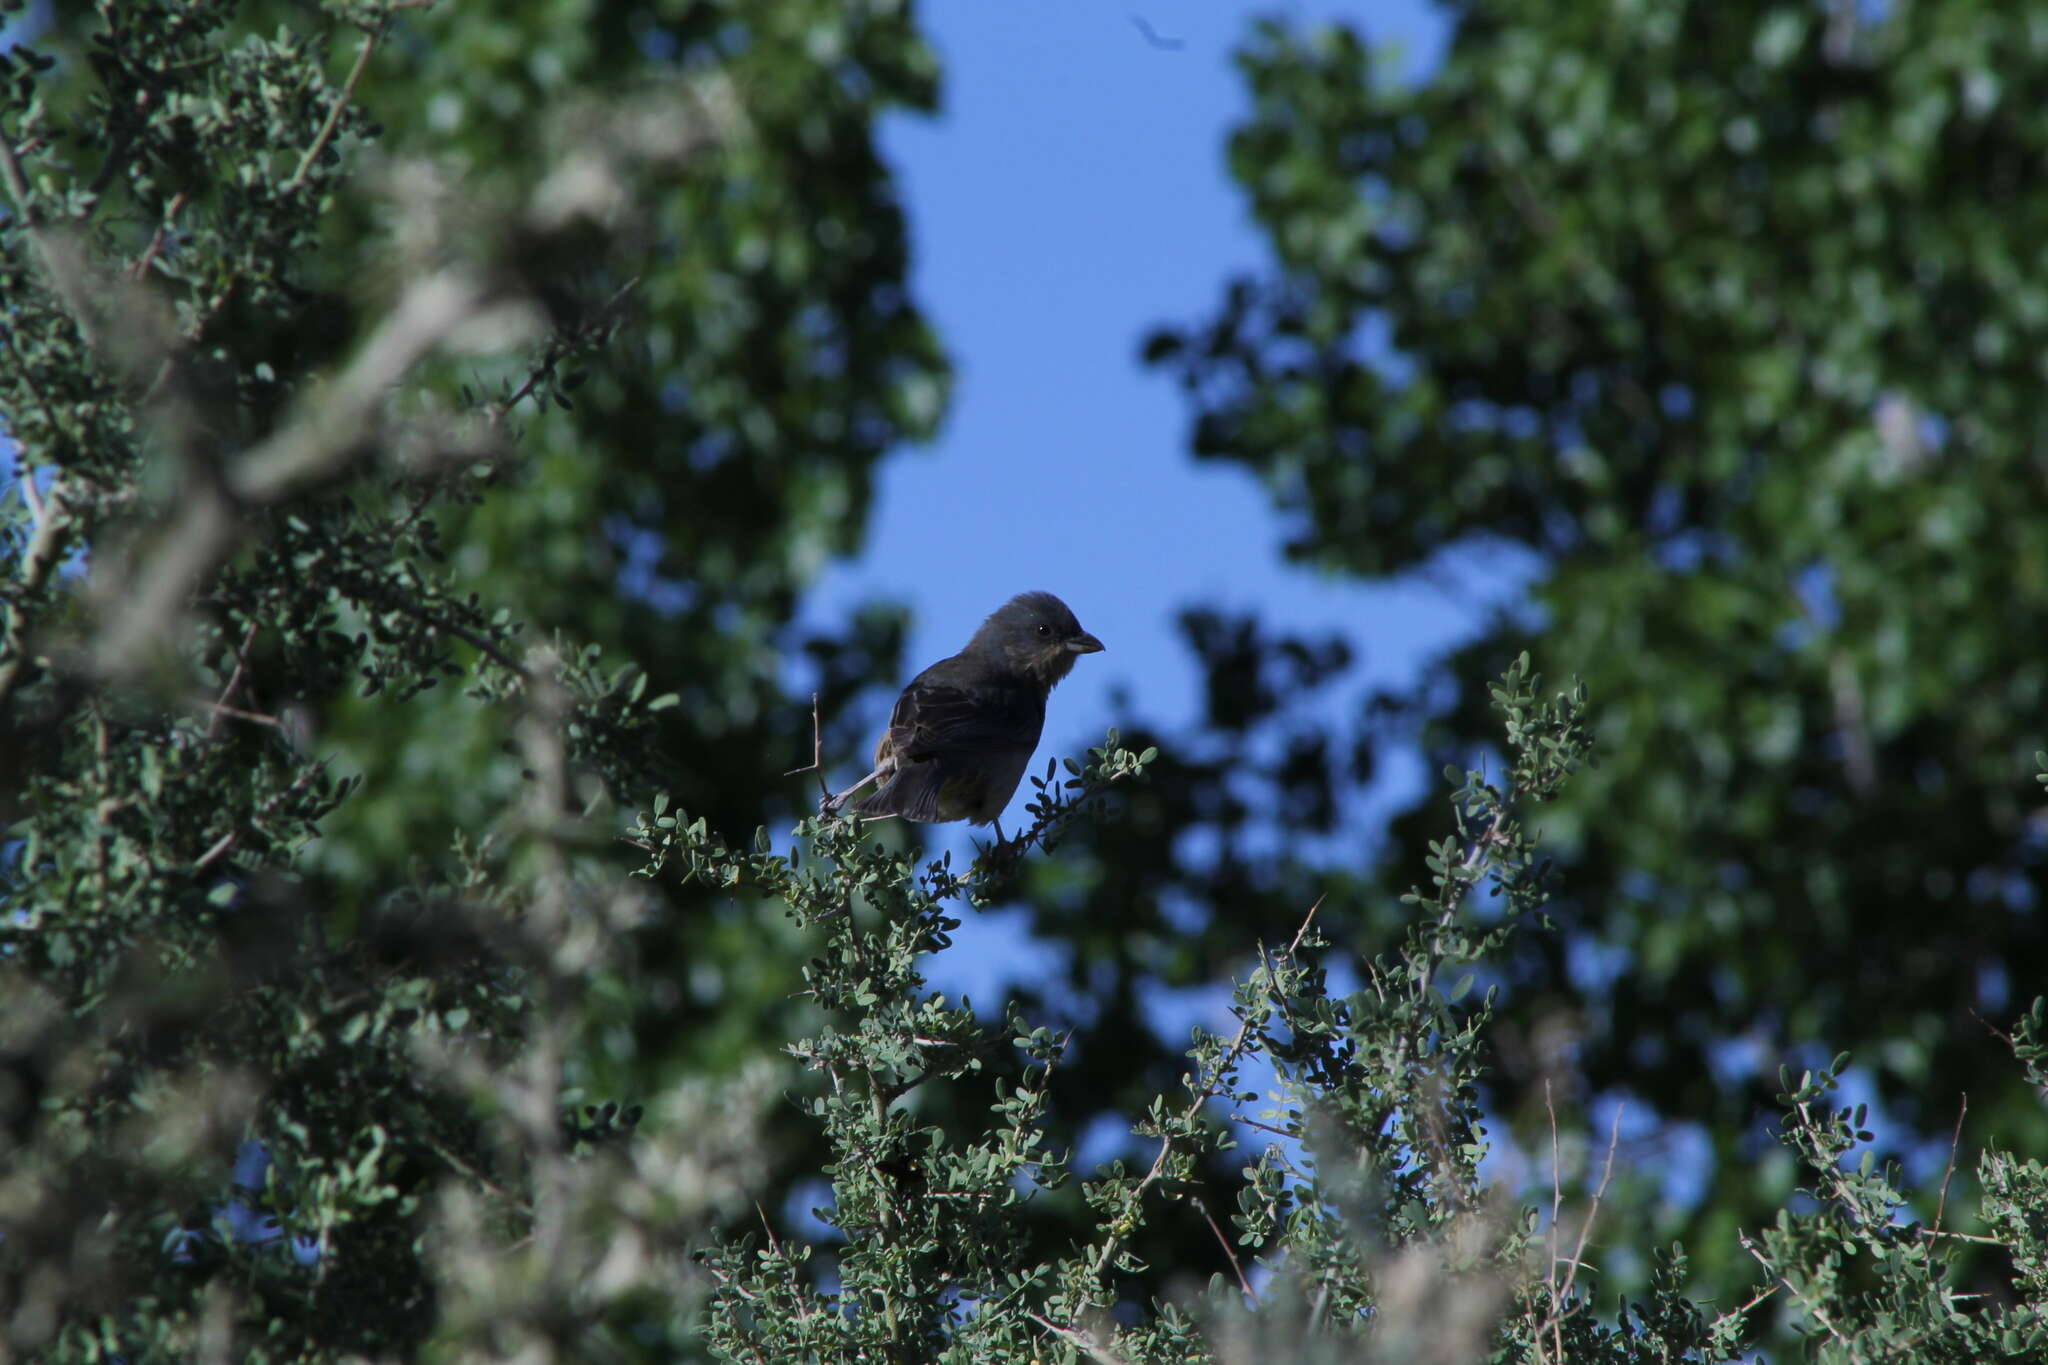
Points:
[(1593, 1210), (1236, 1267), (817, 764), (1949, 1173)]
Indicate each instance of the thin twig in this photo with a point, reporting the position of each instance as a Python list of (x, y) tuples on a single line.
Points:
[(374, 591), (1556, 1212), (1095, 1352), (1954, 1140), (1754, 1300), (817, 764), (373, 36), (1302, 932), (464, 1168), (226, 842), (1978, 1238), (798, 1292), (1586, 1231), (124, 139), (1264, 1127), (1205, 1092), (156, 241), (16, 181), (227, 694), (1236, 1268), (1468, 866), (237, 713), (1279, 1000), (559, 348), (1813, 1309), (219, 849), (59, 258)]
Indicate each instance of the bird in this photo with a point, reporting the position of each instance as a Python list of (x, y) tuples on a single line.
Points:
[(962, 733)]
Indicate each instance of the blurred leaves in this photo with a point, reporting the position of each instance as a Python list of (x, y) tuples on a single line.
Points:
[(1730, 315), (425, 422)]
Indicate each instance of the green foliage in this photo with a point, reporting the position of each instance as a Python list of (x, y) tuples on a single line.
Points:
[(1720, 322), (426, 420), (273, 363)]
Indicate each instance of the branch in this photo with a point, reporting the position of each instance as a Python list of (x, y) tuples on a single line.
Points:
[(1743, 1309), (1556, 1220), (817, 763), (1096, 1352), (1818, 1313), (227, 694), (156, 241), (1468, 867), (1204, 1092), (319, 445), (59, 260), (559, 348), (1236, 1267), (1949, 1174), (348, 89), (224, 845), (1560, 1295), (372, 591), (45, 548)]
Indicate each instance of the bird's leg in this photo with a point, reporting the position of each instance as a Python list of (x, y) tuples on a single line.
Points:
[(997, 848), (831, 804)]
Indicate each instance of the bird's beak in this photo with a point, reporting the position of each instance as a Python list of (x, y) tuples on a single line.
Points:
[(1084, 643)]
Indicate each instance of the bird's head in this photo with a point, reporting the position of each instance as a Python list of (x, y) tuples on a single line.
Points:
[(1034, 634)]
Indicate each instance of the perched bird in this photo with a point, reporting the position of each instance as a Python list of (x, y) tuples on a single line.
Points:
[(963, 731)]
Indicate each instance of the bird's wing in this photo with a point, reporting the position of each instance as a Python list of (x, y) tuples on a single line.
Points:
[(955, 710)]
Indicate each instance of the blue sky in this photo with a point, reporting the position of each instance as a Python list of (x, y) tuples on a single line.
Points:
[(1071, 196)]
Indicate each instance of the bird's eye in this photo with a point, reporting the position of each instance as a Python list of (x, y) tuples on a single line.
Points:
[(1044, 629)]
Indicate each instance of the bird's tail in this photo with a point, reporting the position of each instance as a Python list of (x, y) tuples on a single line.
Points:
[(911, 792)]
